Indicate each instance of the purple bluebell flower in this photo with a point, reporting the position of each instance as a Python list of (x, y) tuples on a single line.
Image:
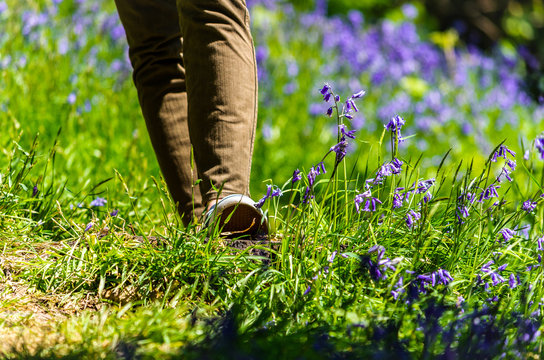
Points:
[(539, 144), (502, 267), (326, 89), (35, 190), (297, 176), (507, 234), (489, 193), (359, 94), (88, 227), (114, 213), (307, 290), (486, 266), (528, 206), (502, 151), (340, 149), (329, 111), (394, 125), (369, 201), (496, 279), (462, 213), (312, 174), (333, 255), (505, 172), (98, 202), (427, 197), (398, 288), (350, 105), (397, 200), (347, 133), (540, 244), (71, 99), (271, 191), (412, 217), (512, 281), (425, 185)]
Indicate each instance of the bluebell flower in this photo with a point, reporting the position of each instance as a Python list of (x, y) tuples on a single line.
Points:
[(307, 290), (369, 200), (507, 234), (350, 105), (88, 227), (412, 217), (329, 111), (398, 200), (506, 173), (539, 144), (394, 125), (297, 176), (528, 206), (312, 175), (502, 151), (489, 193), (427, 197), (540, 244), (462, 213), (71, 99), (358, 95), (114, 213), (512, 281), (350, 133), (340, 149), (486, 266), (35, 190), (425, 185), (98, 202), (326, 89), (271, 192)]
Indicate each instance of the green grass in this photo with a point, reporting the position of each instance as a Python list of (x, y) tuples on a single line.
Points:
[(79, 282)]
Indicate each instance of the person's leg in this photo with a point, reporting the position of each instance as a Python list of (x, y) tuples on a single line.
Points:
[(155, 51), (221, 78)]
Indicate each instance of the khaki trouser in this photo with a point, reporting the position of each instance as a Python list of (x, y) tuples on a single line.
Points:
[(195, 73)]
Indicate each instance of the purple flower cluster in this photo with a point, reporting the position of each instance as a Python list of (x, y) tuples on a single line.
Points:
[(377, 269), (510, 165), (528, 206), (412, 217), (494, 275), (271, 191), (395, 125), (488, 193), (507, 234), (297, 176), (368, 199), (539, 145), (98, 202), (438, 277), (394, 167), (315, 171)]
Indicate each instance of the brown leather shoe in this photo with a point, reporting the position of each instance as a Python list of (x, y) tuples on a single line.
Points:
[(236, 216)]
